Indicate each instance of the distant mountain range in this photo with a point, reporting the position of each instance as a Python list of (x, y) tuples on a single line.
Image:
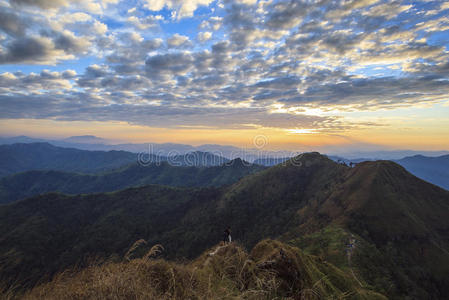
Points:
[(44, 156), (431, 169), (93, 143), (398, 223), (271, 161), (31, 183), (85, 139)]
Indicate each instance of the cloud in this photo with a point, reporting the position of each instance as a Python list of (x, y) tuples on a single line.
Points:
[(30, 50), (387, 10), (213, 23), (40, 3), (92, 76), (76, 17), (34, 83), (204, 36), (99, 28), (180, 8), (178, 41), (169, 64), (279, 83), (12, 24), (68, 42), (372, 94), (145, 22), (87, 108), (130, 51), (91, 6), (69, 74), (286, 14)]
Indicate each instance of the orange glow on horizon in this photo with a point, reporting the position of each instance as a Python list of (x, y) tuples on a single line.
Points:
[(277, 138)]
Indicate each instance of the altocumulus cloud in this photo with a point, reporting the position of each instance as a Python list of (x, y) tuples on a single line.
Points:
[(228, 64)]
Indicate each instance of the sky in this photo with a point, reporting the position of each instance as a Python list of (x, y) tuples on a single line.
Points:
[(302, 74)]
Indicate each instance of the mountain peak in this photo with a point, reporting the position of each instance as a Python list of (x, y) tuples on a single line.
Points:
[(381, 165), (309, 158), (85, 139), (237, 162)]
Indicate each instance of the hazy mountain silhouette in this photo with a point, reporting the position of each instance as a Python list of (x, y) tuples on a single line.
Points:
[(30, 183), (85, 139), (271, 161), (44, 156), (431, 169)]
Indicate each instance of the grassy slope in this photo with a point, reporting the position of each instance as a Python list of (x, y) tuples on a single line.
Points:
[(271, 270), (32, 183), (401, 222)]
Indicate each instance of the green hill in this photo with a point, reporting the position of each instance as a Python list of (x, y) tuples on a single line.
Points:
[(31, 183), (399, 224)]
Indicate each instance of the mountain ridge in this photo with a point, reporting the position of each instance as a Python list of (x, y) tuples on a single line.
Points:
[(44, 156), (398, 248), (30, 183), (431, 169)]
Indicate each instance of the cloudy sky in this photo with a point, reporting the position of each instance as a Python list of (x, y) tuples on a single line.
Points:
[(303, 73)]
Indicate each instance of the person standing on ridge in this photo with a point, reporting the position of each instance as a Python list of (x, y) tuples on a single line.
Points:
[(227, 235)]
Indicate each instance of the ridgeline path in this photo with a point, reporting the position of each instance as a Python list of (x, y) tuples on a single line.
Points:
[(349, 251)]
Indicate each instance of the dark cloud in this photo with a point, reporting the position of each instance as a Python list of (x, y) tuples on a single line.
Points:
[(279, 83), (168, 64), (46, 74), (43, 48), (95, 71), (129, 51), (270, 94), (373, 93), (26, 49), (93, 75), (169, 116), (212, 80), (69, 44), (241, 21), (40, 3), (286, 14), (221, 47), (342, 43), (12, 24)]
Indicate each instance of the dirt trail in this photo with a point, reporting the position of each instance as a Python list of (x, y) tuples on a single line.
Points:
[(349, 251), (213, 253)]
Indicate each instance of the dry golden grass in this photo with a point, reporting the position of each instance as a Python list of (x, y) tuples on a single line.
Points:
[(272, 271), (132, 251)]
